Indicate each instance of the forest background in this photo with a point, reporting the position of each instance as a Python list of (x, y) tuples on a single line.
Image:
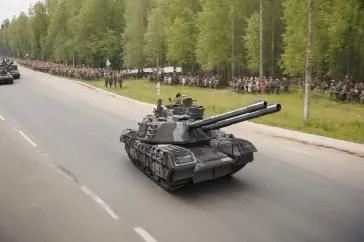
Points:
[(220, 35)]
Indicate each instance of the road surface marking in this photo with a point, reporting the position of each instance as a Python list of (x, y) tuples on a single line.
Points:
[(27, 138), (144, 234), (2, 118), (99, 201)]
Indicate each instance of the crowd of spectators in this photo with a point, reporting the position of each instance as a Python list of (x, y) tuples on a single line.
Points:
[(344, 90), (269, 85), (201, 79)]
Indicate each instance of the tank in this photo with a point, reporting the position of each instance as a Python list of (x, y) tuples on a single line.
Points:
[(13, 70), (176, 146), (6, 77)]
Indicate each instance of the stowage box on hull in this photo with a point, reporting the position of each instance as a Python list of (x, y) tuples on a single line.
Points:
[(175, 149)]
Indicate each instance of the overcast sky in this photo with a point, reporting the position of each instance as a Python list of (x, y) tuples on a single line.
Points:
[(9, 8)]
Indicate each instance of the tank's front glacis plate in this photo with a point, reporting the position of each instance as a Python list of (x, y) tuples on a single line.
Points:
[(211, 164)]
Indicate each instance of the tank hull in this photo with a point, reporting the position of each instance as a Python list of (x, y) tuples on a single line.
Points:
[(15, 75), (6, 80), (176, 166)]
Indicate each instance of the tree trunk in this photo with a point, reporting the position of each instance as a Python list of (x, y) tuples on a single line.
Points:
[(273, 48), (158, 68), (232, 42), (306, 108), (261, 71)]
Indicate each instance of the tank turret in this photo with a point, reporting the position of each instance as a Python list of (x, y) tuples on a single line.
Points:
[(177, 146), (185, 105)]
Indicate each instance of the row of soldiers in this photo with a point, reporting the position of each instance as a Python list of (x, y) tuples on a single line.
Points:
[(78, 72), (111, 77)]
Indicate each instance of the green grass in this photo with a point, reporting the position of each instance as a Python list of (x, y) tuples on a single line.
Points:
[(337, 120)]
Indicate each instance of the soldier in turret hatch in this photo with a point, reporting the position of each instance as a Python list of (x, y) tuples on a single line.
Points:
[(178, 99), (160, 109)]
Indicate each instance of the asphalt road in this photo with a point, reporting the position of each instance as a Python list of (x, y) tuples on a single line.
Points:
[(39, 202), (292, 192)]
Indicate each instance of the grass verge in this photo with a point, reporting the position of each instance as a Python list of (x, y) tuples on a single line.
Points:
[(343, 121)]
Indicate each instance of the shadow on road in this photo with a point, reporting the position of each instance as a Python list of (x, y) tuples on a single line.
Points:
[(228, 186)]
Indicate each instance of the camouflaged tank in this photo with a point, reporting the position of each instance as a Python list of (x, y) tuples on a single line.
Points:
[(177, 146)]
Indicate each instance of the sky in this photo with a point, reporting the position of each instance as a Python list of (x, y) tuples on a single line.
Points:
[(9, 8)]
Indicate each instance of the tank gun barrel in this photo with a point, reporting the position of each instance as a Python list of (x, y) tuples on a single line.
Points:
[(262, 105), (224, 123)]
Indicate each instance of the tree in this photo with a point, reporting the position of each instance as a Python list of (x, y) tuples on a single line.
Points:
[(294, 38), (213, 41), (308, 61), (261, 40), (344, 36), (154, 48), (181, 32), (251, 43), (38, 26), (96, 19), (57, 33), (136, 20)]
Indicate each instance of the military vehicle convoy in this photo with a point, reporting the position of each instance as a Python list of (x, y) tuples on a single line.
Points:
[(176, 146), (6, 77), (13, 70), (10, 66)]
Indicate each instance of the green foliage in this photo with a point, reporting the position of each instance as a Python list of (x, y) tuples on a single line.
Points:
[(181, 32), (212, 34), (213, 40), (38, 25), (136, 18), (251, 41), (154, 37), (294, 38), (337, 45), (57, 33)]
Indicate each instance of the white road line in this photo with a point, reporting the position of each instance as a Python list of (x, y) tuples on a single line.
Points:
[(27, 138), (144, 234), (2, 118), (99, 201)]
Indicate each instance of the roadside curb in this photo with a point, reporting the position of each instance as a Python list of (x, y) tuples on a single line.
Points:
[(261, 129), (129, 100), (309, 139)]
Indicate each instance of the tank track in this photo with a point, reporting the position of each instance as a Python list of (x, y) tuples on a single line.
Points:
[(151, 163)]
